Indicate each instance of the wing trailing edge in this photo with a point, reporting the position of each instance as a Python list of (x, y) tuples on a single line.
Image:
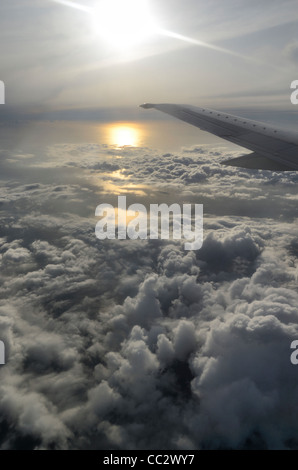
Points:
[(253, 161), (272, 148)]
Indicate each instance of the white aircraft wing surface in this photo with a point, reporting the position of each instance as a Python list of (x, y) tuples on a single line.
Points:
[(272, 148)]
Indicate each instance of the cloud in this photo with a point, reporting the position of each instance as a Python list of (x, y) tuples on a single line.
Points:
[(104, 339)]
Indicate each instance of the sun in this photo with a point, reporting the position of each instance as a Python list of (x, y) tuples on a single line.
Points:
[(124, 23)]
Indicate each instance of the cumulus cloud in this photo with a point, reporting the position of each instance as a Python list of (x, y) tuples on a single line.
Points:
[(139, 344)]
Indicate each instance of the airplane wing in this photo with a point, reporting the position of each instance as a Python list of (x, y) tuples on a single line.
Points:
[(272, 148)]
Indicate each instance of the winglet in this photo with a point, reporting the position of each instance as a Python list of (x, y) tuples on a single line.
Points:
[(147, 105)]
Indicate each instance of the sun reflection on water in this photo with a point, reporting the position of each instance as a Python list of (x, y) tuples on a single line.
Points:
[(124, 135)]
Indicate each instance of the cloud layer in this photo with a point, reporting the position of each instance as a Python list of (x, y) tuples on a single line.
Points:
[(140, 344)]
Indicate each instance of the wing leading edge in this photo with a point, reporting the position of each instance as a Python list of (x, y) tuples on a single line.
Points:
[(273, 148)]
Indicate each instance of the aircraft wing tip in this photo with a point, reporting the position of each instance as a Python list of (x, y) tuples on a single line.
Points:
[(147, 105)]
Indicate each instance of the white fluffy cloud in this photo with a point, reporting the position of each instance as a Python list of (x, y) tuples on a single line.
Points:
[(140, 344)]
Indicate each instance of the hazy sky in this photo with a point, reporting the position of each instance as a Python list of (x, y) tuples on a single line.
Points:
[(59, 57)]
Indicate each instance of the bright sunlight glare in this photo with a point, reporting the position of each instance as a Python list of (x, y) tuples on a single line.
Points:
[(124, 23), (122, 135)]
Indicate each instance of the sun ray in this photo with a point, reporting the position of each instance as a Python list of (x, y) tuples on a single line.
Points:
[(75, 5), (197, 42), (127, 24)]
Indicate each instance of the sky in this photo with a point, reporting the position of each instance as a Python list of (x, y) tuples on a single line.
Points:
[(56, 55), (141, 344)]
